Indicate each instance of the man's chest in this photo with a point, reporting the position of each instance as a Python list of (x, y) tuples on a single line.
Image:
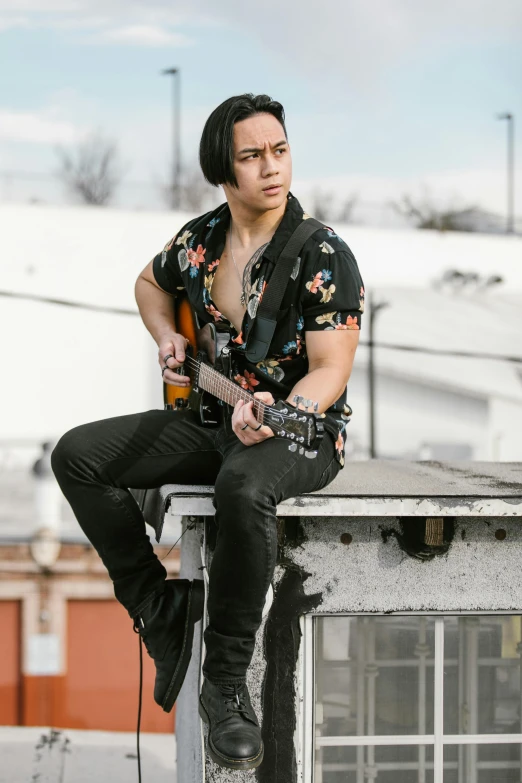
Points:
[(232, 292), (227, 289)]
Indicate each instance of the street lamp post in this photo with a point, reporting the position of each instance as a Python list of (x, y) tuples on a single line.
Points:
[(176, 146), (373, 310), (510, 222)]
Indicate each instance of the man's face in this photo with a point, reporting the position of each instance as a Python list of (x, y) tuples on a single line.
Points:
[(261, 158)]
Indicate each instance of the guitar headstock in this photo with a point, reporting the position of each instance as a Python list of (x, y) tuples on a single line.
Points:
[(304, 429)]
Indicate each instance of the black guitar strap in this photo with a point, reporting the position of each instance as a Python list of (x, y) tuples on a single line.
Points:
[(264, 324)]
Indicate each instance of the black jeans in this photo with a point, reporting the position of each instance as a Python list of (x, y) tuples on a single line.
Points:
[(96, 464)]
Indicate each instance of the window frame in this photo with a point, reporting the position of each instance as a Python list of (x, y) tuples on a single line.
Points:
[(306, 740)]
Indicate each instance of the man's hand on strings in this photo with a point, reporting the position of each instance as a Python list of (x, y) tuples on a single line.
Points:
[(171, 354), (244, 423)]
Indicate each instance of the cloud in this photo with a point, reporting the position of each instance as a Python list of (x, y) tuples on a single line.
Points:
[(41, 6), (351, 43), (36, 128), (357, 42), (144, 35), (11, 22)]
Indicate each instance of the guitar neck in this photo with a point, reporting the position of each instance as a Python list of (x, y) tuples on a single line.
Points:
[(212, 381)]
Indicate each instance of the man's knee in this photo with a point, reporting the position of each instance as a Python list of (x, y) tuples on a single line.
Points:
[(68, 451), (241, 492)]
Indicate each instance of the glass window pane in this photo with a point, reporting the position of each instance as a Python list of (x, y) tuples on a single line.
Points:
[(374, 675), (389, 764), (482, 675), (482, 763)]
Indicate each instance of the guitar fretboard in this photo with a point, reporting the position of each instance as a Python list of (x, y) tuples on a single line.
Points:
[(212, 381)]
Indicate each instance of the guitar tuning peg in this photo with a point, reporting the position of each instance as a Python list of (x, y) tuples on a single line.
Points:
[(292, 447), (301, 450), (316, 407), (307, 403), (297, 399)]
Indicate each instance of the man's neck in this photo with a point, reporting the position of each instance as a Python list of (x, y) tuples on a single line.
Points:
[(254, 228)]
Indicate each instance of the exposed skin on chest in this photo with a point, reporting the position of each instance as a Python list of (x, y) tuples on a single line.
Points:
[(226, 287)]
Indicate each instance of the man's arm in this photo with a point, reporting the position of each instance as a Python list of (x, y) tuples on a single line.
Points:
[(330, 359), (156, 308)]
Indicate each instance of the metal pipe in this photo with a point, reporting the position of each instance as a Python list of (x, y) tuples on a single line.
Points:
[(422, 651), (438, 727), (510, 214), (176, 140), (373, 310), (360, 695)]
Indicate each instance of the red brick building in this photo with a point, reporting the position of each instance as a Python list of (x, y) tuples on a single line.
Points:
[(69, 655)]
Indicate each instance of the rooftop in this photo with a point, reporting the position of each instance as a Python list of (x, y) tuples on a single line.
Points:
[(73, 756)]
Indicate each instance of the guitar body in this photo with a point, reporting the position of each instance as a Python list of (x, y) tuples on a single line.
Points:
[(207, 342)]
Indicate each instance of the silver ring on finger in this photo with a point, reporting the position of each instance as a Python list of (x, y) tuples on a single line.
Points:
[(163, 370), (257, 428), (167, 357), (244, 428)]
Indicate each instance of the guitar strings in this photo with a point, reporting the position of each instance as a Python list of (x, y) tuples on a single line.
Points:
[(227, 390), (225, 384)]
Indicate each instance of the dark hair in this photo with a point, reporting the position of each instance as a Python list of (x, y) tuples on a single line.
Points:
[(216, 148)]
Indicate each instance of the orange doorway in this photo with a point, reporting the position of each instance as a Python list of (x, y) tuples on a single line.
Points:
[(102, 672), (10, 670)]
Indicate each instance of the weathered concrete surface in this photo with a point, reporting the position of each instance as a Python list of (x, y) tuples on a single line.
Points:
[(372, 574), (384, 488), (46, 755)]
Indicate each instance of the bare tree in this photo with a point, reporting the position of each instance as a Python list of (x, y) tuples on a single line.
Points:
[(322, 205), (424, 214), (92, 170), (345, 214), (195, 193)]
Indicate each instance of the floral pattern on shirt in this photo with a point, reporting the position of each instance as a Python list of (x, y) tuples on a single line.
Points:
[(247, 381), (335, 321), (271, 367), (317, 285), (325, 292)]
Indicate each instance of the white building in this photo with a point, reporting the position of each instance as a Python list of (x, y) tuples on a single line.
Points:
[(62, 366)]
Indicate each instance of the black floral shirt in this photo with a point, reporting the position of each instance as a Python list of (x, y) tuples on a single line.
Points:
[(325, 292)]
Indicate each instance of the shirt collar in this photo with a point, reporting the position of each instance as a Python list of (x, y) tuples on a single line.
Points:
[(293, 215), (291, 219)]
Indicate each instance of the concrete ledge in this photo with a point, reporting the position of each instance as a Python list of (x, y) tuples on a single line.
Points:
[(379, 488)]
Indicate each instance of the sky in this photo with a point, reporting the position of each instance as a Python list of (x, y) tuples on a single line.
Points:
[(382, 97)]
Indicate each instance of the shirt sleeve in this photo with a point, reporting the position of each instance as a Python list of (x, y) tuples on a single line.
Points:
[(166, 269), (333, 294)]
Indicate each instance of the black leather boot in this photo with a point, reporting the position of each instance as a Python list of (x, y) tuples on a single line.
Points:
[(166, 626), (234, 738)]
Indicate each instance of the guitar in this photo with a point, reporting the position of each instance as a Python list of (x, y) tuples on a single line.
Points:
[(302, 428)]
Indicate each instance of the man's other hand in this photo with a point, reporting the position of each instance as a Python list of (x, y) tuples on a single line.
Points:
[(173, 346)]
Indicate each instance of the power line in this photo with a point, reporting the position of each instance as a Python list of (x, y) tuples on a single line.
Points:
[(441, 352), (68, 303), (392, 346)]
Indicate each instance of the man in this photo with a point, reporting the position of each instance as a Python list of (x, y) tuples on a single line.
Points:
[(223, 260)]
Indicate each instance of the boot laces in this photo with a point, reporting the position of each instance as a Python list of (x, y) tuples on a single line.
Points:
[(235, 699)]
